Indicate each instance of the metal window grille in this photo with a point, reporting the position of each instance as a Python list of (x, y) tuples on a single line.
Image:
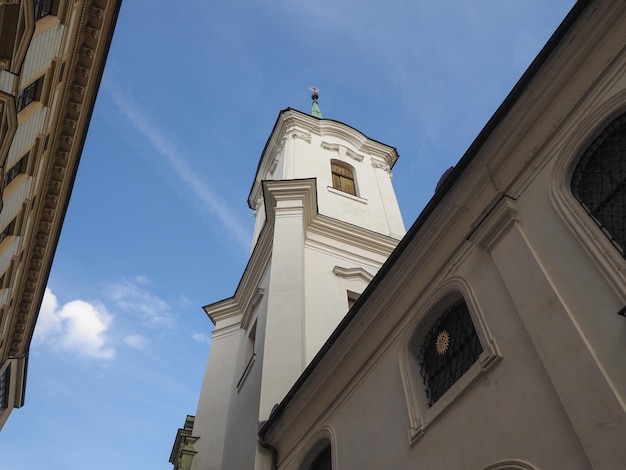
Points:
[(343, 179), (7, 231), (449, 349), (322, 461), (599, 182), (27, 95), (14, 171), (42, 8), (4, 388)]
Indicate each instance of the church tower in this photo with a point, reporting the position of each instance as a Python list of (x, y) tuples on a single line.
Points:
[(326, 220)]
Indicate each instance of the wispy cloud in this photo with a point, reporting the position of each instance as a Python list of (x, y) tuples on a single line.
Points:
[(136, 341), (131, 297), (201, 338), (79, 327), (140, 120)]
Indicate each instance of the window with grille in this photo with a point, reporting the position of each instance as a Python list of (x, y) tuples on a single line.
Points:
[(343, 178), (42, 8), (448, 350), (599, 182), (4, 388), (8, 230), (322, 461), (19, 167), (29, 94)]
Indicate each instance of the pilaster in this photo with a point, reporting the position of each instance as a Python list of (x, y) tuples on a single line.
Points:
[(289, 205), (596, 413)]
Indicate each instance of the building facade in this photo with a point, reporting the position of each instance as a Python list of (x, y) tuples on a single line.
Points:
[(326, 220), (52, 55), (493, 336)]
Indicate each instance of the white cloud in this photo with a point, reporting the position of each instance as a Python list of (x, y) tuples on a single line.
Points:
[(201, 338), (136, 341), (140, 120), (130, 297), (78, 327)]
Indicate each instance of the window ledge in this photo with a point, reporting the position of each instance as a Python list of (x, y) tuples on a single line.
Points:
[(30, 110), (246, 372), (349, 196), (45, 23), (485, 361)]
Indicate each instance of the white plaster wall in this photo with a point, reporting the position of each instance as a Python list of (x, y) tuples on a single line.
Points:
[(373, 209), (214, 401), (326, 301), (243, 413), (577, 277), (510, 412)]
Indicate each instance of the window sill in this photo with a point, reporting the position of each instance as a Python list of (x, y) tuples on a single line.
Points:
[(246, 372), (346, 195), (27, 112), (45, 23), (485, 361)]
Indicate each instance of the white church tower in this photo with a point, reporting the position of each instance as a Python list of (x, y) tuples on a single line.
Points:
[(326, 220)]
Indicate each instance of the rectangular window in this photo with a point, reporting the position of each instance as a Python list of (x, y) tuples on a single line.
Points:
[(4, 388), (29, 94), (343, 179), (42, 8), (9, 230), (19, 167)]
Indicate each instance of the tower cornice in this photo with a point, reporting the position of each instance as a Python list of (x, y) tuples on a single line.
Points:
[(295, 124)]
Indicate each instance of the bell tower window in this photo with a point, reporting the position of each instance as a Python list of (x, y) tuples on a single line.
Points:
[(343, 178)]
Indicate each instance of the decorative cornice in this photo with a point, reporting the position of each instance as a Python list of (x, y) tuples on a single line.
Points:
[(381, 165), (359, 273), (342, 151), (301, 135), (295, 124)]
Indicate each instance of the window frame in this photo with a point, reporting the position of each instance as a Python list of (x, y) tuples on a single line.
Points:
[(43, 8), (435, 383), (598, 246), (322, 440), (583, 172), (338, 179), (31, 93), (432, 305), (18, 168)]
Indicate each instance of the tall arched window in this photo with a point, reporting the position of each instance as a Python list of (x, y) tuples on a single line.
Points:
[(322, 460), (599, 182), (343, 178)]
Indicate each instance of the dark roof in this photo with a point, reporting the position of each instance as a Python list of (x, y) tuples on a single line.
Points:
[(444, 186)]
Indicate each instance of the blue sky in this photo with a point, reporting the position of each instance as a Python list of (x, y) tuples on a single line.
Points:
[(158, 223)]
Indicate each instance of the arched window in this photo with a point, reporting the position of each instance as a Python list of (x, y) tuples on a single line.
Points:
[(448, 350), (322, 461), (599, 182), (343, 178)]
